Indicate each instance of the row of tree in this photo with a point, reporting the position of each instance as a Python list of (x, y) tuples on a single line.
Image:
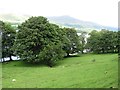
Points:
[(103, 41), (37, 40)]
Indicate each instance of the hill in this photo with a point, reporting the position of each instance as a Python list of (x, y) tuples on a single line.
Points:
[(13, 18), (79, 24), (63, 21)]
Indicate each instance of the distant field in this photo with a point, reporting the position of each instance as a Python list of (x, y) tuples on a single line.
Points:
[(86, 71)]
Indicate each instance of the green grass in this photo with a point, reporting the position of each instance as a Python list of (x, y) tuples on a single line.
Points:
[(73, 72)]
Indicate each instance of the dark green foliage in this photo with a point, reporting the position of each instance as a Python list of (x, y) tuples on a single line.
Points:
[(8, 37), (51, 53), (72, 43), (39, 41), (92, 41), (103, 41), (82, 40), (1, 27), (119, 43)]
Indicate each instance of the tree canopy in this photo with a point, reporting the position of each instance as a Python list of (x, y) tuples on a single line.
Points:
[(39, 41), (73, 42), (8, 36), (103, 41)]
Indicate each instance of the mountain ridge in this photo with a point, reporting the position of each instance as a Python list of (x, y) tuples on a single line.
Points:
[(76, 23), (64, 21)]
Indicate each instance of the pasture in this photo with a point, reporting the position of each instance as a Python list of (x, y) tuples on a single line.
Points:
[(85, 71)]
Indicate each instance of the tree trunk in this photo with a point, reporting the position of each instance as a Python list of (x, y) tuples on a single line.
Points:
[(3, 59), (68, 55), (10, 58), (103, 50), (82, 52), (49, 64)]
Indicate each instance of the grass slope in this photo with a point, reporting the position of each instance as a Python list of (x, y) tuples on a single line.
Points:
[(73, 72)]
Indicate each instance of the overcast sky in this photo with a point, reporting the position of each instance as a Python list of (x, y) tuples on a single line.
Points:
[(104, 12)]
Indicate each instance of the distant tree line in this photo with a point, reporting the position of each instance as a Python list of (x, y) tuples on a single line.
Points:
[(103, 41), (39, 41)]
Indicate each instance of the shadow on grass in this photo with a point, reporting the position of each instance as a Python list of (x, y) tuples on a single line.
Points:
[(21, 63), (72, 56)]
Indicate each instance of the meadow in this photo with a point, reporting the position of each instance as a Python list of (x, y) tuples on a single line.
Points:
[(83, 71)]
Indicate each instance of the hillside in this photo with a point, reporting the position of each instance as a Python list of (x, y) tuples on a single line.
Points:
[(64, 21), (79, 24), (13, 18)]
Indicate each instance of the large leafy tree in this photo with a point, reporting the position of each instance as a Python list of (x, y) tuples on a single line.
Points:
[(8, 37), (82, 38), (103, 41), (92, 41), (118, 43), (115, 41), (108, 41), (72, 44), (1, 27), (39, 41)]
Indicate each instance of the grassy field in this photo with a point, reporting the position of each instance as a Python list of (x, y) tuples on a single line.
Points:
[(73, 72)]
